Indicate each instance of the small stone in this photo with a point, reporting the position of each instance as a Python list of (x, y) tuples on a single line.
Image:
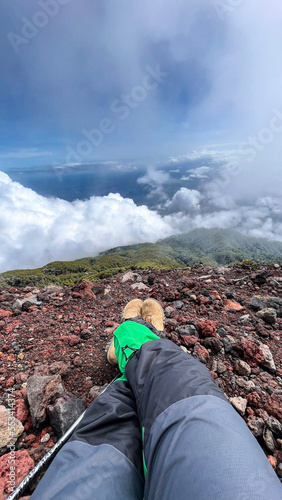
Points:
[(228, 343), (201, 353), (254, 399), (23, 463), (189, 341), (275, 426), (252, 353), (151, 279), (240, 404), (45, 438), (73, 340), (275, 303), (59, 367), (215, 295), (260, 278), (273, 461), (187, 330), (242, 368), (274, 404), (96, 390), (257, 303), (21, 410), (168, 311), (268, 315), (86, 334), (248, 385), (221, 367), (40, 391), (5, 314), (84, 291), (213, 344), (21, 377), (130, 276), (243, 320), (77, 361), (222, 332), (269, 439), (256, 425), (207, 328), (178, 304), (9, 433), (268, 361), (10, 382), (233, 306), (64, 413), (140, 286)]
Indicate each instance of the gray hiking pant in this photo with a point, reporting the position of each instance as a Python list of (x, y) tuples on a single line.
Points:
[(167, 434)]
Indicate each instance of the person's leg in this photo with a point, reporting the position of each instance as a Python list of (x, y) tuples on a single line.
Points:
[(196, 446), (103, 458)]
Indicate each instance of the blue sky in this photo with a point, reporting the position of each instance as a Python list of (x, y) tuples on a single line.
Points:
[(64, 78), (184, 88)]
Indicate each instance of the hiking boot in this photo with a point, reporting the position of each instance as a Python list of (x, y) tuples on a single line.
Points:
[(152, 312), (132, 310)]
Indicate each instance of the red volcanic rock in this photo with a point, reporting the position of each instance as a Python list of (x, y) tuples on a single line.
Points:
[(201, 353), (21, 410), (84, 290), (215, 295), (273, 461), (253, 399), (252, 353), (233, 306), (21, 377), (74, 340), (5, 314), (202, 300), (10, 382), (23, 464), (188, 341), (274, 404), (207, 328)]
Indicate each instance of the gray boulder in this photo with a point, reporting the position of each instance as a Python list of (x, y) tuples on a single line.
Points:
[(65, 412), (188, 330), (40, 391), (268, 315)]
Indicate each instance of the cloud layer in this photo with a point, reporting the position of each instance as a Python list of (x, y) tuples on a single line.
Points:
[(35, 230)]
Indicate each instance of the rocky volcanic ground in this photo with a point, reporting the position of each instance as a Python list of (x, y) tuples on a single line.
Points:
[(52, 343)]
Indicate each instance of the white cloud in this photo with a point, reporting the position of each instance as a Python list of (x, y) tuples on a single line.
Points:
[(185, 200), (35, 230), (155, 179), (197, 173)]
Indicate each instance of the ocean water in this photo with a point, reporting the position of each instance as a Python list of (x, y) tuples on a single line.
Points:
[(82, 182)]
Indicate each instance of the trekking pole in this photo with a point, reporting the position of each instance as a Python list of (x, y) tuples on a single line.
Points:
[(49, 455)]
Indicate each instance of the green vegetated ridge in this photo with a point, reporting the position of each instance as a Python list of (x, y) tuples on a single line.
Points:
[(211, 247)]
